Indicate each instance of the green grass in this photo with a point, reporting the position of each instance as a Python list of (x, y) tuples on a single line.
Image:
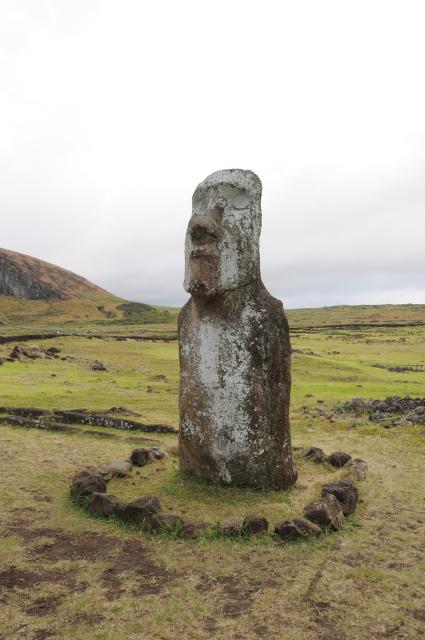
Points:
[(366, 581)]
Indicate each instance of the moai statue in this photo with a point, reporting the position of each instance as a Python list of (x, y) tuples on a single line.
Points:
[(234, 344)]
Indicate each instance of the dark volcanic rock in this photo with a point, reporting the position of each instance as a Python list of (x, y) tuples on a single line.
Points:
[(116, 469), (355, 469), (165, 521), (141, 510), (313, 453), (345, 492), (326, 512), (231, 527), (140, 457), (192, 528), (87, 482), (97, 365), (105, 505), (255, 525), (297, 529), (338, 459), (393, 410)]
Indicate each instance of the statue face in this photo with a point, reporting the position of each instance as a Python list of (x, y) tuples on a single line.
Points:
[(222, 240)]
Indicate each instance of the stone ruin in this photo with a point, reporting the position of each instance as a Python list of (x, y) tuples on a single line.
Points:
[(234, 345)]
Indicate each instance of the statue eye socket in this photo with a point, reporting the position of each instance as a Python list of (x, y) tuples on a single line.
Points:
[(203, 233)]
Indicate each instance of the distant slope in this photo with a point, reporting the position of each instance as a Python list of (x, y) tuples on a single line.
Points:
[(394, 314), (35, 292), (23, 276)]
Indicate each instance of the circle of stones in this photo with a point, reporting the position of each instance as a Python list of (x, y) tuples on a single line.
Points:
[(338, 500)]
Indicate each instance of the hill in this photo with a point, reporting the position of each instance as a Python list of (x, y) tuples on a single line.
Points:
[(23, 276), (37, 293)]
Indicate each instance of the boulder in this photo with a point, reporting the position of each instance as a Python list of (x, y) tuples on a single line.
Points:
[(297, 529), (192, 528), (338, 459), (157, 453), (313, 453), (345, 492), (116, 469), (97, 365), (230, 527), (326, 512), (165, 521), (105, 505), (87, 482), (355, 469), (255, 525), (140, 457), (141, 510)]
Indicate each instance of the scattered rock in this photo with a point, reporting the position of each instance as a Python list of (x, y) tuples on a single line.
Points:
[(192, 528), (231, 527), (255, 525), (141, 510), (297, 529), (394, 410), (97, 365), (140, 457), (149, 389), (160, 378), (345, 492), (116, 469), (157, 453), (105, 505), (355, 469), (313, 453), (165, 521), (124, 411), (326, 512), (53, 350), (86, 482), (338, 459)]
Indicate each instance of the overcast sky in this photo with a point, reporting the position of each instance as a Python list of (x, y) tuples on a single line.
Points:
[(111, 112)]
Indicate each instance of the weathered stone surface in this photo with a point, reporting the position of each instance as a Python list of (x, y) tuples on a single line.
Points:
[(86, 482), (355, 469), (255, 525), (338, 459), (231, 527), (313, 453), (345, 492), (156, 453), (165, 521), (140, 457), (326, 512), (105, 505), (234, 344), (192, 528), (116, 469), (297, 529), (97, 365), (141, 510)]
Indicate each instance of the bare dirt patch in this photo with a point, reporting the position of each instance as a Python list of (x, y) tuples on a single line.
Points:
[(88, 618), (126, 559)]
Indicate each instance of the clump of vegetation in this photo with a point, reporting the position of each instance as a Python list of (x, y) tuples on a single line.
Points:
[(140, 313)]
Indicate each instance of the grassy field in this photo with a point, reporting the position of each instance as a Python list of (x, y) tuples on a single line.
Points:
[(66, 574)]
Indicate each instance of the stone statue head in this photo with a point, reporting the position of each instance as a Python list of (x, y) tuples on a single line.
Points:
[(222, 240)]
